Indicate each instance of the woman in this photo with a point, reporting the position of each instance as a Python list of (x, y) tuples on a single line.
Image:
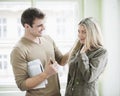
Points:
[(87, 61)]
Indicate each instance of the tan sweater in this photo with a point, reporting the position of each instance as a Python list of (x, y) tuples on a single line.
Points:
[(27, 50)]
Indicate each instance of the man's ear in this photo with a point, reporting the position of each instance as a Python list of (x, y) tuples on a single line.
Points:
[(27, 26)]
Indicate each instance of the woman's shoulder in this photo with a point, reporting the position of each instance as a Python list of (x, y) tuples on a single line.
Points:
[(99, 51)]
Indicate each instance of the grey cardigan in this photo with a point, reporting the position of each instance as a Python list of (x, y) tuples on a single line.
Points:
[(84, 71)]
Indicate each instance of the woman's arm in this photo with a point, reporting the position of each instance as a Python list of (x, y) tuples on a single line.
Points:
[(92, 68)]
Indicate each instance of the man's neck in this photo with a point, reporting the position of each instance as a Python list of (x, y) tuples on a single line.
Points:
[(32, 38)]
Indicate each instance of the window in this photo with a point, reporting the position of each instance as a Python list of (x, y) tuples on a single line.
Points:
[(3, 62), (3, 27), (20, 29), (10, 31), (60, 21), (60, 25), (5, 66)]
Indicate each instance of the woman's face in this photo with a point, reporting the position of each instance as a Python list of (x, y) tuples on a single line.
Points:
[(82, 34)]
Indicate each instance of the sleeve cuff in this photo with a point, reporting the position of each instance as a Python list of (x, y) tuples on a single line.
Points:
[(84, 56)]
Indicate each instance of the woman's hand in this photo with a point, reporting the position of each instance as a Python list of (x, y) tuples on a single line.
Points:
[(84, 49)]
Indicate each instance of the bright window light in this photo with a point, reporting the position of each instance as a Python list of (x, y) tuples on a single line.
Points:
[(60, 25)]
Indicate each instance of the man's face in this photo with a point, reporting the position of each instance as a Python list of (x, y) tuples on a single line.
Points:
[(37, 28)]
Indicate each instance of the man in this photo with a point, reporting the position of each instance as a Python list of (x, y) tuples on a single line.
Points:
[(33, 45)]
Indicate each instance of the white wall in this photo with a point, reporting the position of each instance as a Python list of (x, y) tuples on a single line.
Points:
[(107, 12), (111, 26), (92, 8)]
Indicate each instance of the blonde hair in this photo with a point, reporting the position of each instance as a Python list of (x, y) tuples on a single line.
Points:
[(93, 38)]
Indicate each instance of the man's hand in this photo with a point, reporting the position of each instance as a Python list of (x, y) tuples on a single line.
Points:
[(50, 68)]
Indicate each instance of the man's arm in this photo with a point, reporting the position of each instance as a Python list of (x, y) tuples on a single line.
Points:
[(64, 59), (36, 80), (24, 82)]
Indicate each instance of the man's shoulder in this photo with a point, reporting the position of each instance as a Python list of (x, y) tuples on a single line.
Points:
[(19, 46), (46, 37)]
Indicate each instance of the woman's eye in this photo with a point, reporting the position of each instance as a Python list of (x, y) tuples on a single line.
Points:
[(83, 32)]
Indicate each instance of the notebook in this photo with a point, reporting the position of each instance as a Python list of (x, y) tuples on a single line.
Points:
[(35, 67)]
